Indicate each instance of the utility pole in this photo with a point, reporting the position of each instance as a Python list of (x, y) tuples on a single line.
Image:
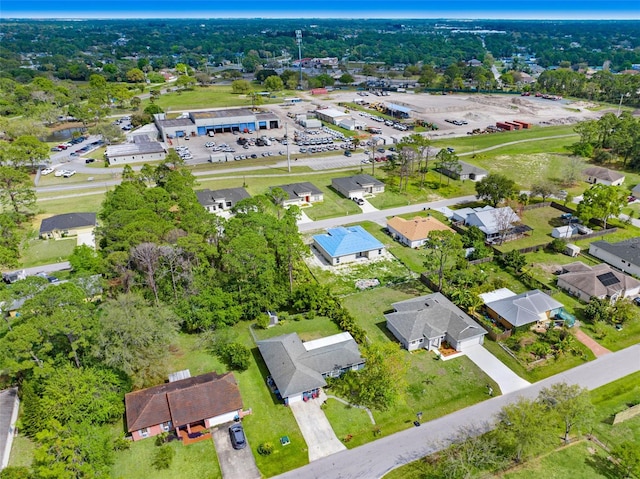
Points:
[(299, 42), (286, 135)]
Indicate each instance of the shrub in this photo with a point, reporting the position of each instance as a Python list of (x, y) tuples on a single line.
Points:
[(235, 356), (265, 449), (121, 444), (262, 321), (557, 245), (163, 457)]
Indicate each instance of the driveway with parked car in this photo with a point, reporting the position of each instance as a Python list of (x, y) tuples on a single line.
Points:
[(234, 463)]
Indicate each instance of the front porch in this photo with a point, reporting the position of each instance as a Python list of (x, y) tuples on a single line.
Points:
[(193, 433)]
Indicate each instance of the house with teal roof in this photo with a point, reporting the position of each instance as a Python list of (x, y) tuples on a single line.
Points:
[(346, 244)]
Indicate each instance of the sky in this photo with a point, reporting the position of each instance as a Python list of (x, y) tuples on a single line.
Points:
[(531, 9)]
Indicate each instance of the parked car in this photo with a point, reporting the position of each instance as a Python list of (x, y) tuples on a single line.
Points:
[(636, 301), (89, 160), (51, 279), (347, 153), (46, 171), (238, 440), (68, 173)]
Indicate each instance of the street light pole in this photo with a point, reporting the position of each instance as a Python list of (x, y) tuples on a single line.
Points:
[(299, 42), (286, 135)]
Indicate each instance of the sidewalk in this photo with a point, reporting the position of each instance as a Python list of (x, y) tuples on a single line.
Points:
[(596, 348)]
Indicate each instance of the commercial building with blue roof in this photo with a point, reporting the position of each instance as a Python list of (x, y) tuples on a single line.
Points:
[(346, 244)]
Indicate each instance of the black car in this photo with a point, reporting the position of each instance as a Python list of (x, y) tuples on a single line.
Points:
[(636, 301), (238, 440)]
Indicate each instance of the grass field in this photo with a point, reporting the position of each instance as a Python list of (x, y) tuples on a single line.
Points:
[(580, 460), (38, 251), (211, 97)]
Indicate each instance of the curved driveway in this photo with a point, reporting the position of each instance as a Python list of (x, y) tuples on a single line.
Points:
[(375, 459)]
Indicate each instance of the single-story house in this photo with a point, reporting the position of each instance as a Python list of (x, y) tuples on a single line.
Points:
[(346, 244), (415, 232), (143, 149), (299, 369), (357, 186), (67, 224), (194, 403), (604, 176), (221, 200), (623, 255), (515, 310), (301, 194), (427, 321), (461, 214), (599, 281), (467, 172), (497, 223)]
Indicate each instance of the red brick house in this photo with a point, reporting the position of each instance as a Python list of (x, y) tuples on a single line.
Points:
[(188, 406)]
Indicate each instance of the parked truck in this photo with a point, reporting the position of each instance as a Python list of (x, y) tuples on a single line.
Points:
[(218, 157)]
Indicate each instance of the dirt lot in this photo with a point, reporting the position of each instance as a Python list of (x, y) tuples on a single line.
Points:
[(478, 110)]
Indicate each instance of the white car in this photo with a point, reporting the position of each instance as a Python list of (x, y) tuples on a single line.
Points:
[(209, 144), (68, 173), (46, 171), (59, 173)]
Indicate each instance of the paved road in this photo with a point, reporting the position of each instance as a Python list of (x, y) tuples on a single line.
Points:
[(381, 215), (375, 459), (9, 404)]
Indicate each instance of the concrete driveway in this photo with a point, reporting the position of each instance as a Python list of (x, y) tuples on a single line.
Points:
[(234, 464), (87, 239), (316, 430), (496, 370), (368, 207)]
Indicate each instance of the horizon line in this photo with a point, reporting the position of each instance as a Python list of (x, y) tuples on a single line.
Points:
[(132, 16)]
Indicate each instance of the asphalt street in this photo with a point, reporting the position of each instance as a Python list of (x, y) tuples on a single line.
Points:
[(375, 459)]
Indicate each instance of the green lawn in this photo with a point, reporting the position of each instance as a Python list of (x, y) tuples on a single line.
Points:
[(341, 280), (368, 306), (21, 451), (210, 97), (307, 329), (346, 419), (195, 460), (411, 258), (581, 460), (434, 387), (53, 205), (542, 221), (549, 368), (38, 251)]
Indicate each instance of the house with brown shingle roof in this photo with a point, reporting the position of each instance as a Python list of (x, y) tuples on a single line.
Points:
[(414, 232), (604, 176), (599, 281), (186, 405)]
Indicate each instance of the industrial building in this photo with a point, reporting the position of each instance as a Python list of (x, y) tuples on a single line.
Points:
[(202, 123), (141, 150)]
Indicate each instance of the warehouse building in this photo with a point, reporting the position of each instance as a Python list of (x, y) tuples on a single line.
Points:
[(202, 123), (141, 150)]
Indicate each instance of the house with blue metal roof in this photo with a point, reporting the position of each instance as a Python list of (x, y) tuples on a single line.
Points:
[(346, 244)]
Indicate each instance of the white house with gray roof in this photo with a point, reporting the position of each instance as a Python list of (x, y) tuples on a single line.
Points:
[(357, 186), (301, 194), (218, 201), (623, 255), (467, 172), (299, 369), (426, 322)]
